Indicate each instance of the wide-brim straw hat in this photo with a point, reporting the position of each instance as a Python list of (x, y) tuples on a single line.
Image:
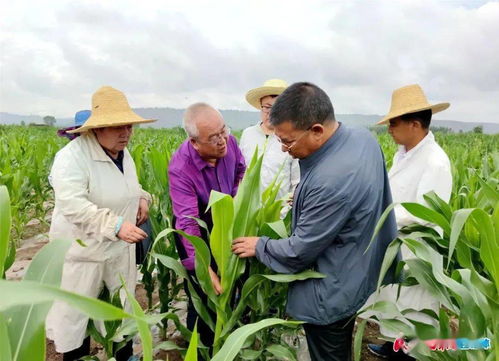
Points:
[(110, 108), (410, 99), (270, 87)]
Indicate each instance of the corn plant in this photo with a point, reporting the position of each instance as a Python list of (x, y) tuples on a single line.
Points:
[(460, 269), (23, 313), (243, 215)]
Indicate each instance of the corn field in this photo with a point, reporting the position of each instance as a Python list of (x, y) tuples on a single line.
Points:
[(460, 266)]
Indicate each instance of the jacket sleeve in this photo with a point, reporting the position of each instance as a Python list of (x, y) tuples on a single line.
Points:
[(322, 217), (144, 194), (437, 177), (184, 204), (70, 181)]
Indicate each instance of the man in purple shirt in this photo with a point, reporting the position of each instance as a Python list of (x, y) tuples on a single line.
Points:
[(209, 159)]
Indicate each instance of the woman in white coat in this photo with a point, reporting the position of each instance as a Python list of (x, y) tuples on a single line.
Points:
[(98, 200), (275, 161)]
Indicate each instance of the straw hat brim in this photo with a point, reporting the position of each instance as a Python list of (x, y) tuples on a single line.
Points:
[(111, 120), (254, 95), (435, 108)]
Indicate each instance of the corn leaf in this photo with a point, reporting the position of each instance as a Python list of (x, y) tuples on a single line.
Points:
[(222, 211), (5, 353), (144, 332), (27, 322), (5, 223), (235, 341), (27, 292), (192, 350)]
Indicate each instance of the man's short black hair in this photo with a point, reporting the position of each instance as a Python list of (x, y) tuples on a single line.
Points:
[(423, 117), (303, 104)]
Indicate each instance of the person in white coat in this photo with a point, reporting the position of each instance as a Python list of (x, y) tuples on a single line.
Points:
[(98, 200), (275, 161), (419, 166)]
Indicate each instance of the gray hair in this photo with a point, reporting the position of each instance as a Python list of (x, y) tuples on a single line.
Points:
[(190, 116)]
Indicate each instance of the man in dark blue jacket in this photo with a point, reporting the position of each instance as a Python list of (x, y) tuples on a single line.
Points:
[(343, 191)]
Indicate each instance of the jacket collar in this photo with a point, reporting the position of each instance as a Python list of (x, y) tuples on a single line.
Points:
[(406, 156), (428, 139), (96, 151)]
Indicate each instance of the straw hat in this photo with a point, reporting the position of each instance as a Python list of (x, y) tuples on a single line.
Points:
[(270, 87), (410, 99), (110, 109)]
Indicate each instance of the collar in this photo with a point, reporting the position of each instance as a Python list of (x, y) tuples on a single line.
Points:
[(96, 151), (199, 162), (309, 162), (428, 139)]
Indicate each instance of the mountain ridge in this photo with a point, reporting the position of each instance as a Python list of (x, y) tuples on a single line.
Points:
[(240, 119)]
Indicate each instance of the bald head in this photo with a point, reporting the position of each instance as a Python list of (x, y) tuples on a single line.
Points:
[(201, 115)]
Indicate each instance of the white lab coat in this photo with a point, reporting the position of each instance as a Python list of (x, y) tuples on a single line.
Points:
[(424, 168), (90, 194), (273, 159)]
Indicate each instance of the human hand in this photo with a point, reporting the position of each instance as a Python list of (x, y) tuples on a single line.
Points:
[(215, 281), (245, 246), (131, 233), (143, 212)]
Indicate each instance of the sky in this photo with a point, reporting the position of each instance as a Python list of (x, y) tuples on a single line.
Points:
[(55, 54)]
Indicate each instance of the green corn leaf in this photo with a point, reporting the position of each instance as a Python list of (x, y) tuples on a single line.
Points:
[(143, 327), (192, 350), (428, 215), (491, 193), (235, 341), (275, 230), (281, 352), (27, 322), (5, 352), (5, 223), (458, 220), (222, 210), (357, 341), (380, 223), (438, 204), (27, 292), (175, 265), (391, 254), (168, 346), (286, 278)]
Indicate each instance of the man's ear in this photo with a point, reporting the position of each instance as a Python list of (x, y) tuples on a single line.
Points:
[(194, 143), (317, 129)]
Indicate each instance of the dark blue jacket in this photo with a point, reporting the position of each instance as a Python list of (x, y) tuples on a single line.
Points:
[(343, 191)]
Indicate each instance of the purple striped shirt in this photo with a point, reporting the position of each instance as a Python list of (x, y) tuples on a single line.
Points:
[(191, 181)]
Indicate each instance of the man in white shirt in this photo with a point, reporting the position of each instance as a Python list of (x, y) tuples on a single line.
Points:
[(419, 166), (275, 161)]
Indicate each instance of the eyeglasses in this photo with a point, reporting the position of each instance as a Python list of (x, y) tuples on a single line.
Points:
[(294, 142), (266, 108), (216, 138)]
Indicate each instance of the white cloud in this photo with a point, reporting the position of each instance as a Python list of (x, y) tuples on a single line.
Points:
[(55, 54)]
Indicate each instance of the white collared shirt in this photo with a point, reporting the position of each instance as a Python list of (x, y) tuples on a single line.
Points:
[(273, 159), (416, 172)]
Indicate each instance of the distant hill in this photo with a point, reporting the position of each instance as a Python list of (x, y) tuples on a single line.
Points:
[(237, 119)]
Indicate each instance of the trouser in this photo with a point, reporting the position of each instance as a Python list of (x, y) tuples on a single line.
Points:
[(331, 342), (122, 354), (205, 333)]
